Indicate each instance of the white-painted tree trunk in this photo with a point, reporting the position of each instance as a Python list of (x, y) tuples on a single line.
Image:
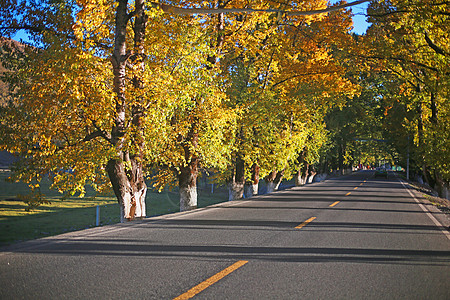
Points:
[(251, 190), (300, 180), (130, 191), (311, 178), (271, 187), (235, 191), (188, 198), (133, 206)]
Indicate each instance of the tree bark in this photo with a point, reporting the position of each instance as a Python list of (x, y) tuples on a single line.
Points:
[(273, 181), (251, 187), (126, 171), (129, 187), (301, 177), (187, 184), (237, 180), (220, 39), (420, 131), (434, 109), (341, 154), (187, 176)]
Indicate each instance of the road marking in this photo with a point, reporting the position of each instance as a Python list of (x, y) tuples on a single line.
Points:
[(348, 193), (334, 204), (210, 281), (305, 223), (355, 188), (361, 183), (436, 222)]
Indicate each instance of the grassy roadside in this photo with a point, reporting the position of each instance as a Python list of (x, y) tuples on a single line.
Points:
[(16, 224)]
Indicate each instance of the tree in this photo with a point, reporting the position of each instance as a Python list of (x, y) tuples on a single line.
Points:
[(282, 87), (106, 76), (409, 39), (110, 103)]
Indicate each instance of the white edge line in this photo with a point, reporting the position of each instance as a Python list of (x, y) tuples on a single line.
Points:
[(427, 212)]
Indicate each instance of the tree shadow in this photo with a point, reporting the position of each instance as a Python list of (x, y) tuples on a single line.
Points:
[(137, 248), (331, 208)]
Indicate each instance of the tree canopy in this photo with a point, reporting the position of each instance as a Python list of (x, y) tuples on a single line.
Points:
[(116, 94)]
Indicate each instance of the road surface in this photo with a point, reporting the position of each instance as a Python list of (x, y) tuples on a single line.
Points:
[(353, 237)]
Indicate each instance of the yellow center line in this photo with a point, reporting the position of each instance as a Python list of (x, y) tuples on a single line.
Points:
[(210, 281), (355, 188), (348, 193), (334, 204), (365, 180), (305, 223), (361, 183)]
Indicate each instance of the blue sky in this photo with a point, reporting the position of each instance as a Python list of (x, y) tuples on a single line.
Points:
[(359, 19)]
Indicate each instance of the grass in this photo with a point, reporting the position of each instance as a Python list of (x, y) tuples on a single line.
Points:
[(17, 224)]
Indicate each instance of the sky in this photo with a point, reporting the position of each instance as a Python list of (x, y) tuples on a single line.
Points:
[(359, 21)]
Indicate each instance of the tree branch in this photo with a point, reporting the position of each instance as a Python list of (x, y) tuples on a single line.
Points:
[(93, 135), (433, 46), (399, 59), (203, 11)]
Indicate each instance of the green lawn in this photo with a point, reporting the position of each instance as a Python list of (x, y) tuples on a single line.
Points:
[(16, 224)]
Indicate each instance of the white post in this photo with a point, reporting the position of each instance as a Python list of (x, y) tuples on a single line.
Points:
[(97, 219)]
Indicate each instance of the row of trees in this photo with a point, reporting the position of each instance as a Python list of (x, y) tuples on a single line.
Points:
[(402, 112), (408, 43), (116, 92)]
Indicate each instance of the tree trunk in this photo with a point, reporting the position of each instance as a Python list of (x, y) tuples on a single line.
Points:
[(274, 180), (251, 187), (270, 182), (301, 178), (434, 109), (302, 175), (129, 187), (341, 155), (187, 176), (440, 185), (126, 171), (420, 131), (237, 180), (187, 183)]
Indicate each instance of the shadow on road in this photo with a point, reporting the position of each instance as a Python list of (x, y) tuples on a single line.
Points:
[(133, 248)]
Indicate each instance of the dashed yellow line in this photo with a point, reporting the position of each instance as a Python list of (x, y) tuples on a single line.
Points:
[(355, 188), (305, 223), (348, 193), (334, 204), (361, 183), (210, 281)]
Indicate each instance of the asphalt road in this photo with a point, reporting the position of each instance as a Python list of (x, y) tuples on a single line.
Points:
[(353, 237)]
